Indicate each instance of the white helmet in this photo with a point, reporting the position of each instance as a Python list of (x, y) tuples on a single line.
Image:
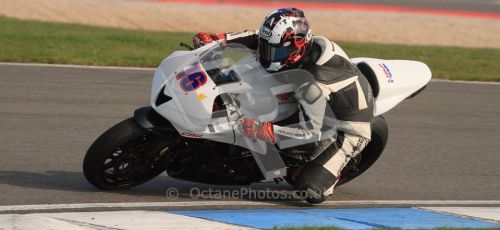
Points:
[(285, 37)]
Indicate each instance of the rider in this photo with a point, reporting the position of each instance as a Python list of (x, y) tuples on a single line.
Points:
[(283, 42)]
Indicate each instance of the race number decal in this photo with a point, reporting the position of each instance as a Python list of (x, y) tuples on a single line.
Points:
[(192, 78)]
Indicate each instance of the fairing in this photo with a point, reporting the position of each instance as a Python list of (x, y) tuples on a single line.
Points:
[(194, 80), (396, 80)]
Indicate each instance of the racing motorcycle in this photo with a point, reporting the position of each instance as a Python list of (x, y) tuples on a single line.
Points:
[(192, 129)]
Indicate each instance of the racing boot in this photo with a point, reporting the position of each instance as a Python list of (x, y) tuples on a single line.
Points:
[(315, 181), (320, 176)]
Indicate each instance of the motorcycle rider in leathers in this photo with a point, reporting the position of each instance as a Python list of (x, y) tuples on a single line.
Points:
[(283, 42)]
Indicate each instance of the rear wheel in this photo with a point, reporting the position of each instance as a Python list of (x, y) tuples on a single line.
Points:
[(125, 155), (362, 161), (369, 155)]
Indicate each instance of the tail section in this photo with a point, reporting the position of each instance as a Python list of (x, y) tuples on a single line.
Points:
[(393, 81)]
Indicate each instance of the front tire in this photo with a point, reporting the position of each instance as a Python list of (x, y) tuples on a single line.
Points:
[(124, 156)]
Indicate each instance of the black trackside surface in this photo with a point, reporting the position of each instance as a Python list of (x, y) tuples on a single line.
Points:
[(443, 144)]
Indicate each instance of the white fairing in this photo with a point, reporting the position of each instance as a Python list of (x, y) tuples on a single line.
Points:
[(396, 79), (188, 84), (190, 112)]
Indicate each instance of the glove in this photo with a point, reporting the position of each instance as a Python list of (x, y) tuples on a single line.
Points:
[(264, 132), (202, 38)]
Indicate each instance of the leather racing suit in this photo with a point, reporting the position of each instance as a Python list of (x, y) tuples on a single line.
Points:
[(349, 96)]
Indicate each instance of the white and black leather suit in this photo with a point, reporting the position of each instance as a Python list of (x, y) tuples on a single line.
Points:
[(349, 96)]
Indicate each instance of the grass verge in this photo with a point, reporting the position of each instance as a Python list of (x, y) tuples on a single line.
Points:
[(334, 228), (42, 42)]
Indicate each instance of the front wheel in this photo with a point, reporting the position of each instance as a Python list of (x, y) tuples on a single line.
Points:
[(124, 156)]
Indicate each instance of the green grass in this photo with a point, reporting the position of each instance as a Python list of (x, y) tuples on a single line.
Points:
[(31, 41), (445, 62), (333, 228), (308, 228)]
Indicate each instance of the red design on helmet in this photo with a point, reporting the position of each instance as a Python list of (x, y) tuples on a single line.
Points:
[(284, 39)]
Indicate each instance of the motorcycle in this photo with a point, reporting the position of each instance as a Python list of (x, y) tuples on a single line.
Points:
[(192, 127)]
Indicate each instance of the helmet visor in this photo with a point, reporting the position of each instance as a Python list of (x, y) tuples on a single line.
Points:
[(272, 52)]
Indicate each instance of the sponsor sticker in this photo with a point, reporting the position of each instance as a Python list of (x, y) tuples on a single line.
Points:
[(201, 96), (291, 132), (387, 72), (191, 135), (265, 33), (286, 98)]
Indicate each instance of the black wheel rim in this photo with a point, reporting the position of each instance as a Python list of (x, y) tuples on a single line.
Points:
[(133, 162)]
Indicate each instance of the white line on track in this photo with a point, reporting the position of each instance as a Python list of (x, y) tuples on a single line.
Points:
[(466, 82), (132, 205), (150, 69), (77, 66), (485, 213), (114, 220), (242, 203)]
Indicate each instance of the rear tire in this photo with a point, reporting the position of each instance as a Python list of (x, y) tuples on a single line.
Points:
[(364, 160), (124, 156), (370, 154)]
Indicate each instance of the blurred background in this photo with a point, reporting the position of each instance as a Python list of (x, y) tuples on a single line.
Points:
[(357, 25)]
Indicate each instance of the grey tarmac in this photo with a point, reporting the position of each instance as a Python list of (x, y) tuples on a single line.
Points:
[(443, 144)]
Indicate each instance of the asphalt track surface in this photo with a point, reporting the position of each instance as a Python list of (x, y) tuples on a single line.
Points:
[(444, 144)]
